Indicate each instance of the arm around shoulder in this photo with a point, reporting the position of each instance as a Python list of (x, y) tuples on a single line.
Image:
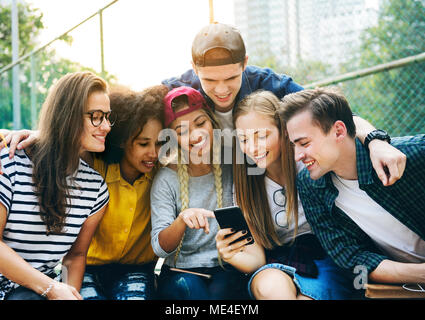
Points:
[(188, 79), (388, 162), (279, 84)]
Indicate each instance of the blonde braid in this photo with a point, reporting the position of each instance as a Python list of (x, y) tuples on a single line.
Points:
[(218, 183), (217, 174), (184, 185), (183, 176)]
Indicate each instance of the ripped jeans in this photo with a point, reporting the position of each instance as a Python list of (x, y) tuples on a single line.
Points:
[(228, 284), (119, 282)]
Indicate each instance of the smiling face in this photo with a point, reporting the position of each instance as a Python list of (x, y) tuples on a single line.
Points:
[(194, 132), (318, 151), (141, 152), (93, 138), (221, 83), (259, 139)]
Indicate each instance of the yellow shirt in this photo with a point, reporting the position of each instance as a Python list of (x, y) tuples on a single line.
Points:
[(123, 235)]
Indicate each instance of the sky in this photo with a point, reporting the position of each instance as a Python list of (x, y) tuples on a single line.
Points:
[(144, 41)]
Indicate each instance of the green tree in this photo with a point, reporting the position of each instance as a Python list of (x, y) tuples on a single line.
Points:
[(305, 71), (265, 58), (49, 66), (393, 100), (308, 71), (30, 24)]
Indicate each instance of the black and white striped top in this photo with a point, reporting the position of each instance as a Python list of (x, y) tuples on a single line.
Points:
[(25, 232)]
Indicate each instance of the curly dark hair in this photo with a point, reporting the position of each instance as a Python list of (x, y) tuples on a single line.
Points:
[(133, 110)]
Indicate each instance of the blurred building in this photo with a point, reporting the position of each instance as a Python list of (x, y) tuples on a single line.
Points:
[(290, 30)]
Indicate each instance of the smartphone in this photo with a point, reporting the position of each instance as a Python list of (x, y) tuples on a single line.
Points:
[(232, 217)]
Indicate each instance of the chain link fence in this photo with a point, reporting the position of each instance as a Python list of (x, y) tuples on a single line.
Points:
[(313, 40)]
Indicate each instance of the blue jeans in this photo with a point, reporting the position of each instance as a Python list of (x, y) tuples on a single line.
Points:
[(332, 282), (228, 284), (119, 282)]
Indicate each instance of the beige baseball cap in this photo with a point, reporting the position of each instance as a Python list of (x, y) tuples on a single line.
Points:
[(218, 36)]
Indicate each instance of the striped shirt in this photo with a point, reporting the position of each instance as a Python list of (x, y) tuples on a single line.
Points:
[(25, 232)]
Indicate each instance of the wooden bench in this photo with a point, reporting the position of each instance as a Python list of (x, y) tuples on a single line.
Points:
[(392, 291)]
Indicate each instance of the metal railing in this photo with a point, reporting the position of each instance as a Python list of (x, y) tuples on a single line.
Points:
[(44, 46), (367, 71), (371, 95)]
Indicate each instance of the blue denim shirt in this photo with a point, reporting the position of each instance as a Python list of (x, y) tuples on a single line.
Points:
[(253, 79)]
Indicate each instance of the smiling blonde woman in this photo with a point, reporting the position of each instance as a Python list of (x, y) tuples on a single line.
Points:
[(183, 198)]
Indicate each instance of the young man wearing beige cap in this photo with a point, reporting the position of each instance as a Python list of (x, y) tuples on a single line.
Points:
[(221, 73)]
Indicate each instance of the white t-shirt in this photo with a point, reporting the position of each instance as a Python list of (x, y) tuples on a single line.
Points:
[(277, 203), (226, 121), (389, 234), (225, 118)]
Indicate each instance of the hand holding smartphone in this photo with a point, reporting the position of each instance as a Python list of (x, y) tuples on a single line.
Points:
[(232, 217)]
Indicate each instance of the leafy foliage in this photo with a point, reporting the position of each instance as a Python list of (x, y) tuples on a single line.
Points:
[(393, 100), (49, 67)]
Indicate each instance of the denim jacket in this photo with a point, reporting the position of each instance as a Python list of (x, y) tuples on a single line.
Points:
[(253, 79)]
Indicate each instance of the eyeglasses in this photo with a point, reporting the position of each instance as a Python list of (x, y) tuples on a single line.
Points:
[(415, 287), (279, 198), (280, 217), (97, 116)]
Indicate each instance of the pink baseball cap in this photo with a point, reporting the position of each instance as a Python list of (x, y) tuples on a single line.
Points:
[(195, 101)]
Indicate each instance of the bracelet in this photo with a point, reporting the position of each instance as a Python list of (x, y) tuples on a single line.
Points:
[(44, 294)]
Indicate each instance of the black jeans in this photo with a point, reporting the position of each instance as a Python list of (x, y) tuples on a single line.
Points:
[(22, 293)]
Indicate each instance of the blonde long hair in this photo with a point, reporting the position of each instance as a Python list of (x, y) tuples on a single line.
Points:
[(182, 167), (250, 190)]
